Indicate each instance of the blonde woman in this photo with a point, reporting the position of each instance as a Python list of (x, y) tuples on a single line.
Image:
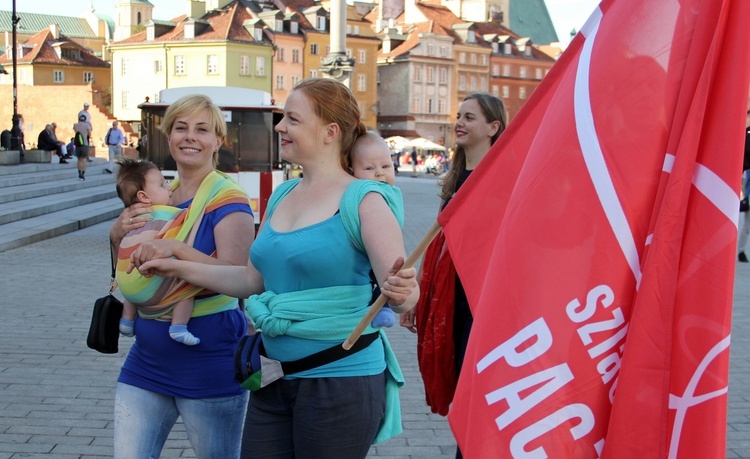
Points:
[(162, 379)]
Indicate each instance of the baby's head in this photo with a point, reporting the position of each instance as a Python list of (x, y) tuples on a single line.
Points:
[(371, 159), (141, 181)]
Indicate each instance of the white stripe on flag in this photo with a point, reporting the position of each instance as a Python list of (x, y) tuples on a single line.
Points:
[(718, 192), (668, 163), (592, 152)]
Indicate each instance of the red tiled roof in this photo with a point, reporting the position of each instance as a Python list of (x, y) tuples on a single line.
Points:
[(223, 24), (43, 52)]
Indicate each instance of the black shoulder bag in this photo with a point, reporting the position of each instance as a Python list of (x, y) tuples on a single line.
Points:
[(104, 331)]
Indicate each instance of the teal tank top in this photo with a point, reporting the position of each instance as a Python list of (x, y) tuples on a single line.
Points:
[(317, 256)]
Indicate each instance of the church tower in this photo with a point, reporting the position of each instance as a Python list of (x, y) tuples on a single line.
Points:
[(130, 16)]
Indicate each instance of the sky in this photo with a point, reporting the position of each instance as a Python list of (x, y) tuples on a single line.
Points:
[(566, 14)]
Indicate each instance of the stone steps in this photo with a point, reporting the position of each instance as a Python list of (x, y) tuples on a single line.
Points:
[(42, 201)]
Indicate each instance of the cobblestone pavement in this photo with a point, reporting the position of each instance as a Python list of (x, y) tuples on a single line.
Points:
[(56, 395)]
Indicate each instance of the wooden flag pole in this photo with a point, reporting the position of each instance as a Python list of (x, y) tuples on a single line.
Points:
[(382, 299)]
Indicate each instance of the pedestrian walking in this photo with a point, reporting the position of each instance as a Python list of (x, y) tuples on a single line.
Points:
[(114, 140)]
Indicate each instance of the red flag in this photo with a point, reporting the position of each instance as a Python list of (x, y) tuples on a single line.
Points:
[(596, 244)]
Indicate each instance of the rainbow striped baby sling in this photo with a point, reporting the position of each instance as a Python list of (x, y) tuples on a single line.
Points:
[(155, 296)]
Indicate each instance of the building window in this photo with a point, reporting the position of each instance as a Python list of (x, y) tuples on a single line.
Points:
[(280, 54), (294, 27), (321, 23), (314, 49), (473, 83), (484, 60), (295, 80), (443, 75), (461, 58), (430, 74), (328, 50), (244, 65), (430, 50), (430, 106), (348, 29), (295, 56), (260, 66), (125, 103), (442, 106), (279, 81), (472, 36), (158, 66), (313, 74), (124, 67), (483, 84), (88, 77), (506, 91), (415, 105), (538, 74), (462, 83), (417, 73), (506, 70), (496, 70), (473, 59), (522, 92), (356, 30), (522, 71), (495, 91), (507, 48), (58, 76), (361, 83), (362, 111), (348, 53), (279, 25), (443, 51), (179, 65), (495, 47), (362, 56), (73, 54), (212, 63)]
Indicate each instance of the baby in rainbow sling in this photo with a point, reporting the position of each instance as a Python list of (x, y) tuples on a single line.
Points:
[(154, 297)]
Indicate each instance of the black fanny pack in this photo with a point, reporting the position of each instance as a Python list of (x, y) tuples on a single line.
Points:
[(254, 370)]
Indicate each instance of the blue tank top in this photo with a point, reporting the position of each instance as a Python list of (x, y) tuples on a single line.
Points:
[(319, 255), (160, 364)]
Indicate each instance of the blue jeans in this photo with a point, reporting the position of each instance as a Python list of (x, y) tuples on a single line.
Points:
[(143, 420)]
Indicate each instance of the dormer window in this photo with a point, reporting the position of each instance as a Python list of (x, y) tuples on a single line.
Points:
[(279, 25), (507, 49), (527, 51), (150, 33), (258, 33), (472, 38), (321, 23), (495, 47), (294, 27), (73, 54)]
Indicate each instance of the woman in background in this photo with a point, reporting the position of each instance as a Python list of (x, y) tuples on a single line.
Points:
[(481, 120)]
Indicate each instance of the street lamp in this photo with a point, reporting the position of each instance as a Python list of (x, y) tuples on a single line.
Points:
[(15, 131)]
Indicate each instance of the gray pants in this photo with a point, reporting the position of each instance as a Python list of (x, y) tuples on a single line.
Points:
[(314, 418), (114, 151)]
